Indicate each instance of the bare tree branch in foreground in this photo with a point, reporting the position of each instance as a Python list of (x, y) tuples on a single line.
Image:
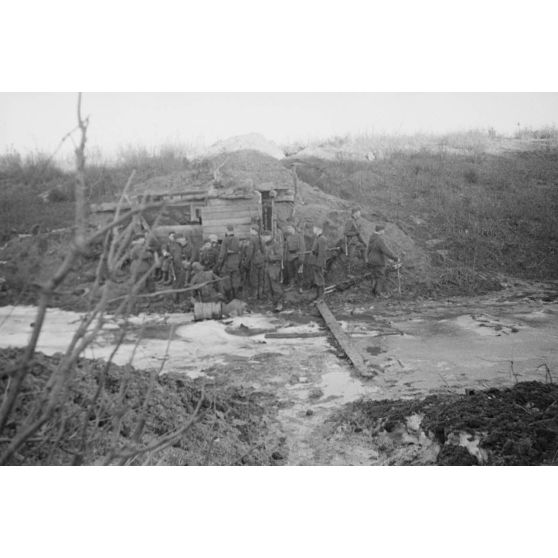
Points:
[(116, 240)]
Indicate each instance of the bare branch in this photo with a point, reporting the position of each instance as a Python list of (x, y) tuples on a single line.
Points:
[(167, 440), (172, 291), (81, 203)]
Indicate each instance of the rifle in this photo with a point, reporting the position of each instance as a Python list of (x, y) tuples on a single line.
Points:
[(335, 249)]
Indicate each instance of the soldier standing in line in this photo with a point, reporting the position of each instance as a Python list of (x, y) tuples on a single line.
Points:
[(209, 254), (174, 248), (190, 249), (318, 261), (273, 254), (166, 262), (200, 276), (294, 248), (355, 245), (255, 262), (244, 267), (229, 263), (377, 255)]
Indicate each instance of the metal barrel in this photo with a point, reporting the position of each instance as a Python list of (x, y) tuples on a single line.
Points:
[(208, 311)]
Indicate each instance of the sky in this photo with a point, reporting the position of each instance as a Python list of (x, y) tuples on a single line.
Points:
[(37, 121)]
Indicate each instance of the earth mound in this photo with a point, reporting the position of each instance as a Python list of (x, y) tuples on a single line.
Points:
[(33, 259), (253, 142)]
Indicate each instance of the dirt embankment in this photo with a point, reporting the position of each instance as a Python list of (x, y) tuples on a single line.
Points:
[(104, 407), (474, 213), (458, 220), (515, 426), (32, 259), (28, 261)]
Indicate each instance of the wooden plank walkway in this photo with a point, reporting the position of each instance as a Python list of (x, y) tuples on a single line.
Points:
[(343, 339)]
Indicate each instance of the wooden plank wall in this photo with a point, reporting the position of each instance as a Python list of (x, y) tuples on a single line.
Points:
[(219, 213)]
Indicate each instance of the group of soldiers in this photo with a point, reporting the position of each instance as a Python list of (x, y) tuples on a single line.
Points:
[(262, 266)]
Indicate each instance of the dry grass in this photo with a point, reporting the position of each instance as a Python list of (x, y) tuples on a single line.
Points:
[(492, 213)]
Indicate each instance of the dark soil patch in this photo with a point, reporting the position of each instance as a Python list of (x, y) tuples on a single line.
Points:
[(517, 426), (232, 430)]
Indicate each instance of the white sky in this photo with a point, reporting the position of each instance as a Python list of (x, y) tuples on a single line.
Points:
[(37, 121)]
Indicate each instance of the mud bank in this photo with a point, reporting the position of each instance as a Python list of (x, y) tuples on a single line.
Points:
[(513, 426), (120, 415)]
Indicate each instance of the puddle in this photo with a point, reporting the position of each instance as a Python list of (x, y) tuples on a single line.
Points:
[(456, 352), (441, 346), (340, 386), (196, 346)]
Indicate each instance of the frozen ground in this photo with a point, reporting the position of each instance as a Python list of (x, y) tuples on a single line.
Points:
[(416, 348)]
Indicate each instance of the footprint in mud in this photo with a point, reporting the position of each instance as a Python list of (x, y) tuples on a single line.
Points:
[(374, 350)]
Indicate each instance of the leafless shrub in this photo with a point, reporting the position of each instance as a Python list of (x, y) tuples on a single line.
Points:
[(48, 406), (547, 373)]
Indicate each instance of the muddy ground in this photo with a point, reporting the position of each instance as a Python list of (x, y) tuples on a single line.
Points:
[(111, 412), (457, 381)]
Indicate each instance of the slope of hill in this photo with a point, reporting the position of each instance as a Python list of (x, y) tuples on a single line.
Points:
[(459, 218), (474, 213)]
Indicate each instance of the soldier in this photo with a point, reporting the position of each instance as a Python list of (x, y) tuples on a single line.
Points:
[(273, 255), (190, 249), (174, 248), (166, 263), (355, 245), (200, 276), (377, 255), (244, 266), (294, 248), (158, 263), (228, 263), (254, 260), (306, 260), (142, 262), (186, 257), (209, 254), (318, 261)]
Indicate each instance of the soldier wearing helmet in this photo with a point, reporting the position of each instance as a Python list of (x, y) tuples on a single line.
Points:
[(355, 245)]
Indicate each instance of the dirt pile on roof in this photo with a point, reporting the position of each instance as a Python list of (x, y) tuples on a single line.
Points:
[(252, 142), (198, 178), (222, 173), (249, 169)]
